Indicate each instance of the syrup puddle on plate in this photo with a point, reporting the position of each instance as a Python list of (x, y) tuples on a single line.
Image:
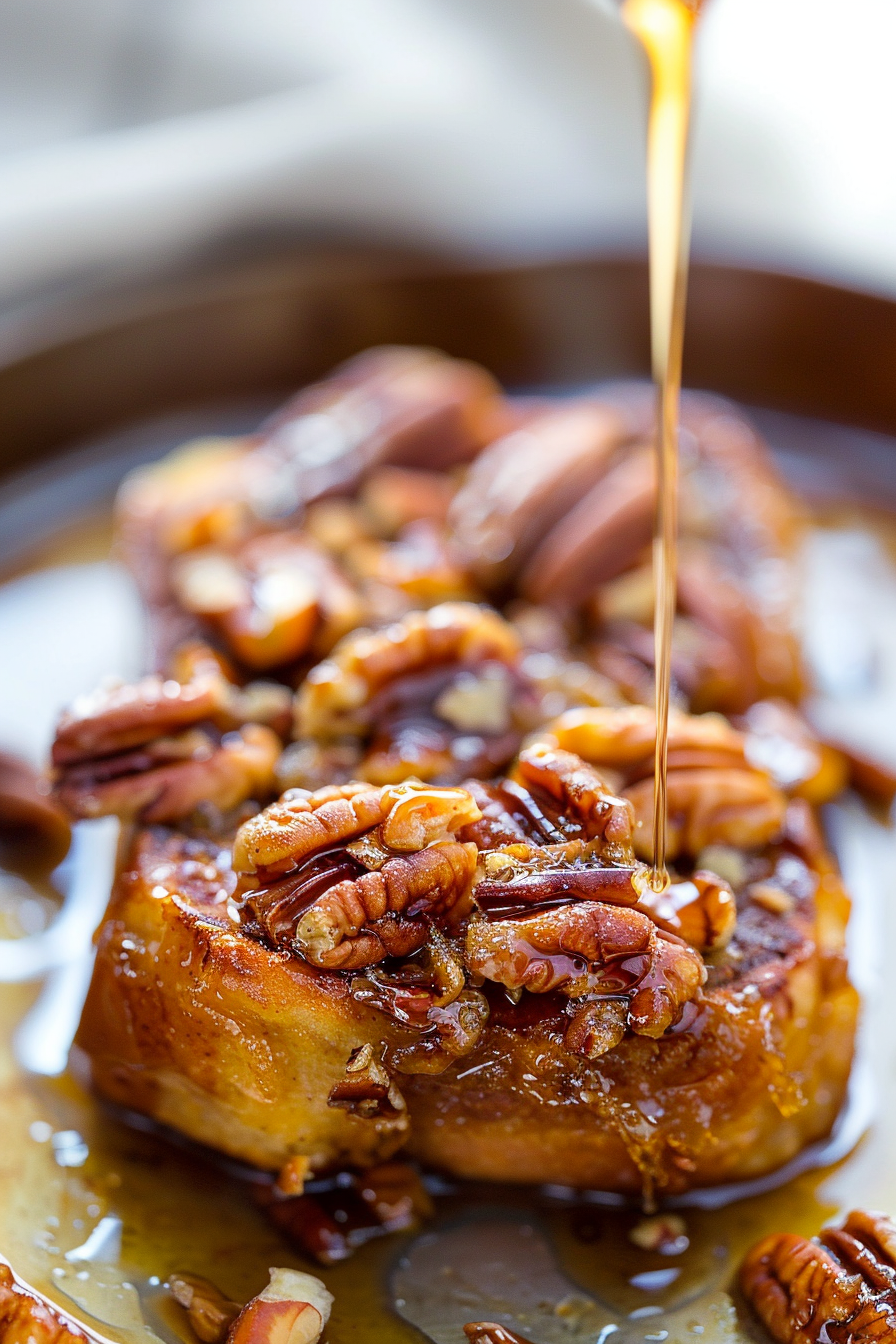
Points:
[(97, 1214)]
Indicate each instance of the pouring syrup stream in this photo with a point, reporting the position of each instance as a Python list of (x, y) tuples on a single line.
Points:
[(666, 31)]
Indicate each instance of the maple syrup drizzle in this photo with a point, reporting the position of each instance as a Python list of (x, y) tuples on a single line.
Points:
[(666, 30)]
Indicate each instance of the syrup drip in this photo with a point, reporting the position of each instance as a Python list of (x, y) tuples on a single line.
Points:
[(666, 30)]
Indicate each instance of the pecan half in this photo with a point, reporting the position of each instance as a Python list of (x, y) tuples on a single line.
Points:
[(353, 874), (522, 485), (839, 1288), (390, 405), (590, 948), (272, 599), (293, 1309), (701, 910), (437, 695), (335, 694), (715, 796), (157, 750), (580, 797)]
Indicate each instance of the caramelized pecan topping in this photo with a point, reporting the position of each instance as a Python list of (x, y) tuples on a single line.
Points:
[(590, 948), (839, 1288), (447, 1017), (158, 750), (350, 875), (715, 796)]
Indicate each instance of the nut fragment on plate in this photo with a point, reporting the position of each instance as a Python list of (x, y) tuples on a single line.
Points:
[(209, 1312), (490, 1332), (161, 749), (292, 1309), (838, 1288)]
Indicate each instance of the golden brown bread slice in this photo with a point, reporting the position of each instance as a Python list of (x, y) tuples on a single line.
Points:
[(556, 1024)]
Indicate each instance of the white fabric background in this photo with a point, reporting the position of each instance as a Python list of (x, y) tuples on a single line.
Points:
[(133, 130)]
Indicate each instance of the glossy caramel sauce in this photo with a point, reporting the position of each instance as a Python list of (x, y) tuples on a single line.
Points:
[(666, 31), (77, 1181)]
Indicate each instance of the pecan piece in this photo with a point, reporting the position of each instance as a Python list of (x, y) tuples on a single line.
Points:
[(272, 599), (356, 923), (418, 564), (449, 1023), (437, 695), (31, 822), (590, 948), (367, 1088), (524, 484), (336, 693), (209, 1312), (742, 808), (839, 1288), (700, 909), (490, 1332), (602, 535), (581, 797), (715, 796), (158, 750), (390, 405), (292, 1309), (353, 874)]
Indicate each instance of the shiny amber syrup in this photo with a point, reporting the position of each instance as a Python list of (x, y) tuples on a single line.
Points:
[(666, 30)]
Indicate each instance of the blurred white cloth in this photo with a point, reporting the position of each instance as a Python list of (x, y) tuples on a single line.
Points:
[(133, 132)]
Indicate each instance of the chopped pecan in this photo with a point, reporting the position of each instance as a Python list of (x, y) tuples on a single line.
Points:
[(27, 1317), (396, 1195), (31, 822), (839, 1288), (293, 1309), (367, 1088), (209, 1312), (490, 1332), (272, 599), (522, 485), (418, 563), (449, 1024), (590, 948)]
